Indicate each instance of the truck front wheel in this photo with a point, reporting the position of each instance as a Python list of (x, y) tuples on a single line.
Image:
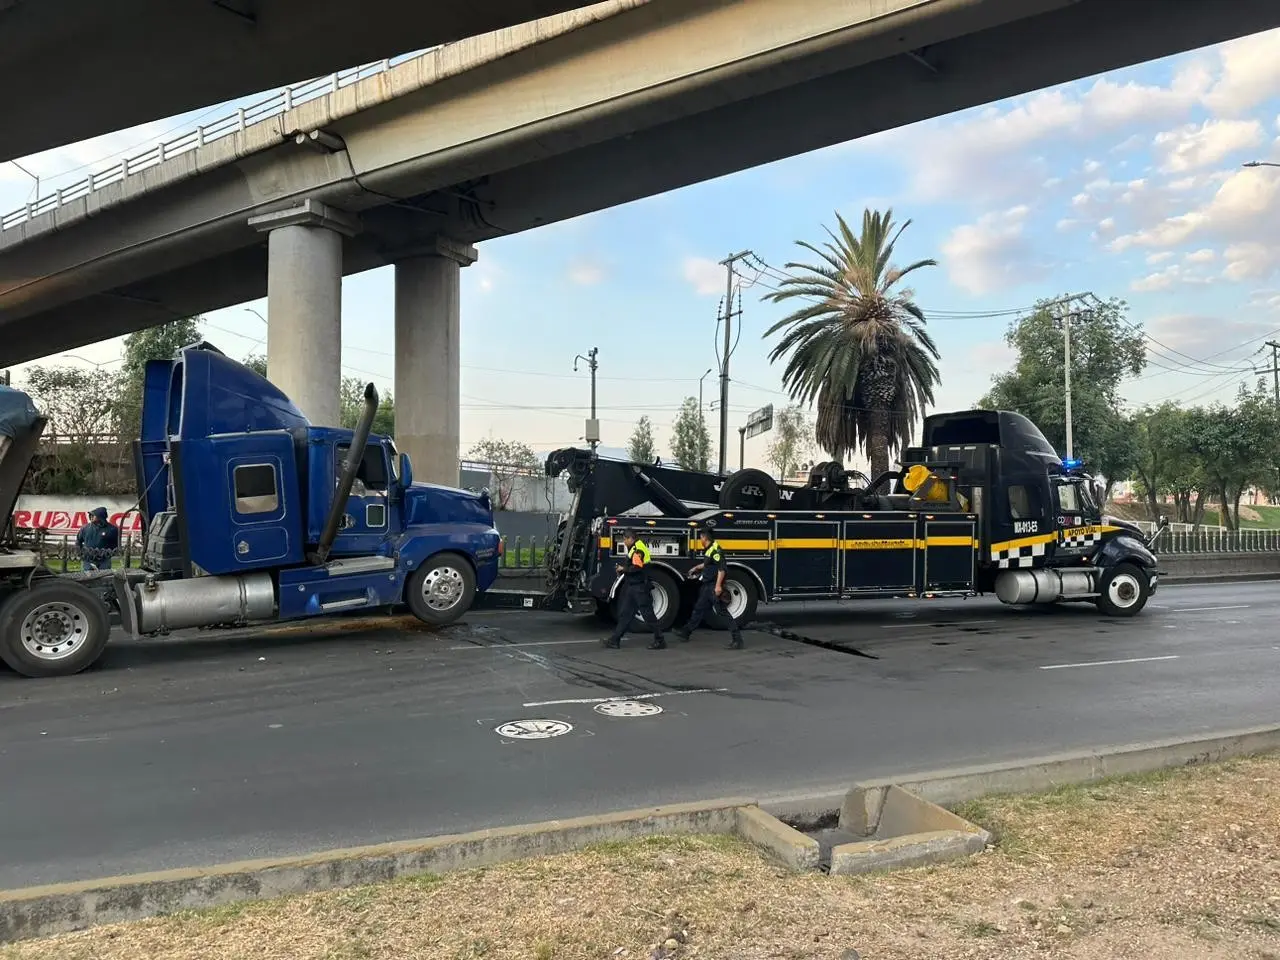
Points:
[(441, 590), (1124, 590), (54, 629)]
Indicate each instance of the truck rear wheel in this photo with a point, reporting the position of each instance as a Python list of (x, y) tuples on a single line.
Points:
[(666, 600), (741, 598), (1124, 590), (441, 590), (55, 629)]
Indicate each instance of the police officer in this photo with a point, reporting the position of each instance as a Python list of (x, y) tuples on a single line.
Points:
[(711, 571), (635, 595)]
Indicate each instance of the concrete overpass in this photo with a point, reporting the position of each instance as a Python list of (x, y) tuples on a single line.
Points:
[(502, 133), (85, 67)]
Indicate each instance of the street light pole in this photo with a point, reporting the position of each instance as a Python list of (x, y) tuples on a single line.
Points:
[(701, 415)]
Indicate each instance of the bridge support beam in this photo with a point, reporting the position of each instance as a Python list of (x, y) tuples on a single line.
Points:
[(428, 357), (304, 305)]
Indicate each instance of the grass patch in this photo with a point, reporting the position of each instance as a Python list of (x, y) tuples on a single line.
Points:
[(1158, 867)]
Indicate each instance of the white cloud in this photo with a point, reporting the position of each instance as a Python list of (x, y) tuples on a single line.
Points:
[(1160, 257), (1161, 280), (1250, 261), (585, 272), (991, 254), (1193, 146), (1244, 208), (1091, 166), (1203, 255), (706, 276), (1249, 73)]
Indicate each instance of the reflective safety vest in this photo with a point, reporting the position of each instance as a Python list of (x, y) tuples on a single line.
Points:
[(643, 551)]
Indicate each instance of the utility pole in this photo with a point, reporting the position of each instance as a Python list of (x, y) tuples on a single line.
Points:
[(727, 263), (1275, 367), (1065, 320), (593, 425)]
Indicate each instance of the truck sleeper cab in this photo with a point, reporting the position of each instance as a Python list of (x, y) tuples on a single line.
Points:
[(254, 515), (984, 506)]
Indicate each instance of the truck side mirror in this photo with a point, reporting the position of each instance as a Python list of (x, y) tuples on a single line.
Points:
[(406, 472)]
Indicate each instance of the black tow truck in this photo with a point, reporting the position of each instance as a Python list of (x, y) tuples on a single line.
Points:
[(984, 505)]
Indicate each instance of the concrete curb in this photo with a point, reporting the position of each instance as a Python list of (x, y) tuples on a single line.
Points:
[(788, 844), (61, 908), (947, 787)]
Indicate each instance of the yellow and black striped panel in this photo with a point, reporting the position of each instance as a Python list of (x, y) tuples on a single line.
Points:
[(950, 554), (879, 554)]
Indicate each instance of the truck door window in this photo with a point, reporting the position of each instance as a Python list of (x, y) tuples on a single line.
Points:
[(372, 473), (255, 487), (1069, 498), (1023, 503)]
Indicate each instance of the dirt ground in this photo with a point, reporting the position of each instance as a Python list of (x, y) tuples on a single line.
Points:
[(1179, 865)]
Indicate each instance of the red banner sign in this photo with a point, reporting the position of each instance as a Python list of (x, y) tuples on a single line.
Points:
[(59, 522)]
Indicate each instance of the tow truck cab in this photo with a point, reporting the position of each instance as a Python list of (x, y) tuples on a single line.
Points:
[(1042, 532)]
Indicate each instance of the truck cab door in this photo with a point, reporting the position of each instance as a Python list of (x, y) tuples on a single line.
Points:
[(1078, 515), (1021, 527), (367, 519)]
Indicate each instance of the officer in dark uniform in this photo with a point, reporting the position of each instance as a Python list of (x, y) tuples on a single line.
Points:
[(635, 596), (711, 571)]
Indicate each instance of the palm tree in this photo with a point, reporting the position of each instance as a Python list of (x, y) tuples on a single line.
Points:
[(859, 346)]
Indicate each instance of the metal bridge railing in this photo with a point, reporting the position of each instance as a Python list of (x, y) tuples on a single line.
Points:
[(233, 122)]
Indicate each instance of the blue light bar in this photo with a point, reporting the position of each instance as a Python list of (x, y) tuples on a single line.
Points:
[(1072, 464)]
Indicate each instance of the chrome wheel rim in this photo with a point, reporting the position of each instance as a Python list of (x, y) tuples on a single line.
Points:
[(442, 588), (1124, 590), (735, 598), (54, 631), (658, 597)]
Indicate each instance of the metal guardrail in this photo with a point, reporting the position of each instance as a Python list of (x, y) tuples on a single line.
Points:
[(519, 554), (1218, 541), (236, 122)]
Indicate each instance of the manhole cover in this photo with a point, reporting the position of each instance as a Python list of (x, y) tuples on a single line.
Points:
[(628, 708), (533, 729)]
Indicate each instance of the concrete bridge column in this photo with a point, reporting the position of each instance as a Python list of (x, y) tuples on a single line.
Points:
[(428, 357), (304, 304)]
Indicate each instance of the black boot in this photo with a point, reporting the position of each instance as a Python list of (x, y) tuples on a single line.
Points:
[(683, 635), (658, 644), (611, 644), (735, 643)]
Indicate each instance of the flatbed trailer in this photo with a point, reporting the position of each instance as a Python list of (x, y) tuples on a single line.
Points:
[(984, 506)]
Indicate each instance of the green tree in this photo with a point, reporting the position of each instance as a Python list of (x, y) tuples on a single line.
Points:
[(351, 403), (792, 439), (257, 362), (1105, 349), (690, 439), (859, 347), (154, 343), (1236, 447), (508, 460), (640, 447), (81, 409)]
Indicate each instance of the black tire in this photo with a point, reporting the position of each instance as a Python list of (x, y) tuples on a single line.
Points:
[(666, 601), (749, 489), (55, 629), (743, 598), (1125, 589), (442, 590)]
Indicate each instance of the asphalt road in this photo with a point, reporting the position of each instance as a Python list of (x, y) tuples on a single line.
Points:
[(222, 747)]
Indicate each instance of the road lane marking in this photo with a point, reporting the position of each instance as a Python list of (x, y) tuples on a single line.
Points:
[(933, 623), (508, 646), (1236, 606), (635, 696), (1106, 663)]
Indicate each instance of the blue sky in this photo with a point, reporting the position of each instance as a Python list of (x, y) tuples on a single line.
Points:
[(1125, 185)]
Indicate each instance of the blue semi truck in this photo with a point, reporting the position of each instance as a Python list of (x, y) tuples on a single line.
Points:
[(251, 515)]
